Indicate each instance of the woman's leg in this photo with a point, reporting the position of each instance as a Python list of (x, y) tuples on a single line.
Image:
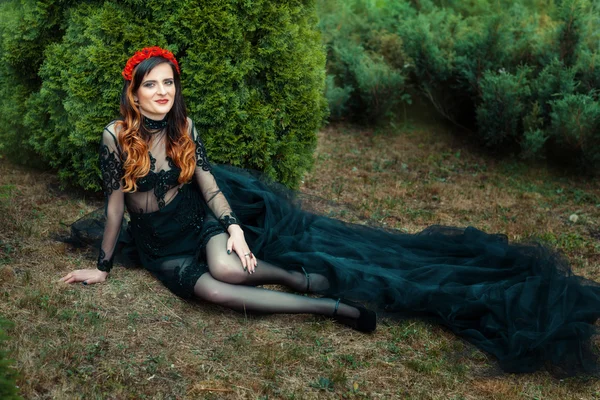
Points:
[(247, 298), (228, 268)]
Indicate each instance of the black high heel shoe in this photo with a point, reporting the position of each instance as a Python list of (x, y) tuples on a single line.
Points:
[(366, 321)]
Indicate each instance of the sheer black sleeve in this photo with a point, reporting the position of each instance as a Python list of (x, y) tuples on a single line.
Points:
[(112, 172), (208, 185)]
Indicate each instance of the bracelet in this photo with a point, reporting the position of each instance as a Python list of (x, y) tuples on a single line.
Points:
[(228, 220), (104, 264)]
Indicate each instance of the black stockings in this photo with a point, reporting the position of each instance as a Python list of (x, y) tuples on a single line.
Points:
[(229, 285)]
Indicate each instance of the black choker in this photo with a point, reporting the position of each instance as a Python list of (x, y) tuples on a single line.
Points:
[(154, 125)]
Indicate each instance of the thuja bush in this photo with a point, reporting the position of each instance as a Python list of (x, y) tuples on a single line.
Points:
[(502, 105), (252, 72), (455, 55), (427, 39), (575, 127), (548, 99), (366, 63), (501, 70), (26, 29)]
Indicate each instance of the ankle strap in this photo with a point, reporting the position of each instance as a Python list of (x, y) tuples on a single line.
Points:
[(337, 304), (307, 279)]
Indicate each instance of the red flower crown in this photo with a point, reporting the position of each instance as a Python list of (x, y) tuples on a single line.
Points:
[(145, 54)]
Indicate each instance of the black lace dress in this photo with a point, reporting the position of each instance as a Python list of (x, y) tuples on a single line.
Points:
[(170, 223), (519, 302)]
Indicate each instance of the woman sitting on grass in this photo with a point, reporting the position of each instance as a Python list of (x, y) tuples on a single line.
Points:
[(519, 302), (153, 161)]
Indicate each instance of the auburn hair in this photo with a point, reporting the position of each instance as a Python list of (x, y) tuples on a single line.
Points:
[(133, 136)]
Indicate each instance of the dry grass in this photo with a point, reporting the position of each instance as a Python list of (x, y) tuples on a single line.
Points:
[(130, 338)]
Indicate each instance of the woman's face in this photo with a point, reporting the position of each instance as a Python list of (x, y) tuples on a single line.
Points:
[(156, 93)]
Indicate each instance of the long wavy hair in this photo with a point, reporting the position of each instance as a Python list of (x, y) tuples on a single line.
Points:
[(133, 136)]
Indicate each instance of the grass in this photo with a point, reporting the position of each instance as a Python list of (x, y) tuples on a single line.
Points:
[(131, 339)]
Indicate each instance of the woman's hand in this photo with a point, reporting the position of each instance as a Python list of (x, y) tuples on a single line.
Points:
[(87, 276), (237, 243)]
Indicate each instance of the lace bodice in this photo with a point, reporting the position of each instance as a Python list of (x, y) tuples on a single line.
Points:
[(155, 190)]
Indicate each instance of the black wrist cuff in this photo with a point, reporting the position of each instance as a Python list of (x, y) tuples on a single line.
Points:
[(228, 220), (104, 264)]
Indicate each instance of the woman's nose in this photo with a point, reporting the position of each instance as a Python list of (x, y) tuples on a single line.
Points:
[(162, 89)]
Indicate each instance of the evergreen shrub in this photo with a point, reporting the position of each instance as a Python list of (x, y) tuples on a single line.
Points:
[(576, 127), (431, 40), (505, 71), (252, 72), (366, 63), (26, 28), (504, 98), (337, 98)]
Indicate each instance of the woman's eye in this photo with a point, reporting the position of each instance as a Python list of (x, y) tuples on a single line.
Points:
[(169, 82), (148, 85)]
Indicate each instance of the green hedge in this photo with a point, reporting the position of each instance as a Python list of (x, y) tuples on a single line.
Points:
[(510, 72), (26, 29), (253, 77), (366, 63)]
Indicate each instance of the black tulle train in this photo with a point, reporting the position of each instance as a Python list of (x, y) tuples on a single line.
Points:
[(519, 302)]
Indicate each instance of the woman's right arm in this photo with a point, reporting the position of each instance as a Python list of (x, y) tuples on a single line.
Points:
[(112, 173)]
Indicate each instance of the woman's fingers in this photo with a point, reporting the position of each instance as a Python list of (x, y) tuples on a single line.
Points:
[(229, 245), (89, 276), (247, 259), (243, 260), (239, 245), (240, 254), (251, 261), (69, 277)]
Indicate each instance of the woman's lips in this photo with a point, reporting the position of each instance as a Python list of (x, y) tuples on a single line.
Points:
[(163, 101)]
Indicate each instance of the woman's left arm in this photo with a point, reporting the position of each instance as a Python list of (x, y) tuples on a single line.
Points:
[(220, 206)]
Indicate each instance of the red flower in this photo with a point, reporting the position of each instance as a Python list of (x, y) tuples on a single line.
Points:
[(145, 54)]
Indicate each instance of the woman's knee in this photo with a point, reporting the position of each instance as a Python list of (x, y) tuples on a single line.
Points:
[(226, 269), (209, 289), (211, 294)]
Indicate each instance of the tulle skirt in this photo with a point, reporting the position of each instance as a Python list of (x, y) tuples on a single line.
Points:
[(519, 302)]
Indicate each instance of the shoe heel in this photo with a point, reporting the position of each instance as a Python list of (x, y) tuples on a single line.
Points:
[(366, 321)]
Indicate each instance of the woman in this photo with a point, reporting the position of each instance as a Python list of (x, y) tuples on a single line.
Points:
[(519, 302), (154, 163)]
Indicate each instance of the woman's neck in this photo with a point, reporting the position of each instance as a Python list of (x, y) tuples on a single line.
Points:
[(152, 124)]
